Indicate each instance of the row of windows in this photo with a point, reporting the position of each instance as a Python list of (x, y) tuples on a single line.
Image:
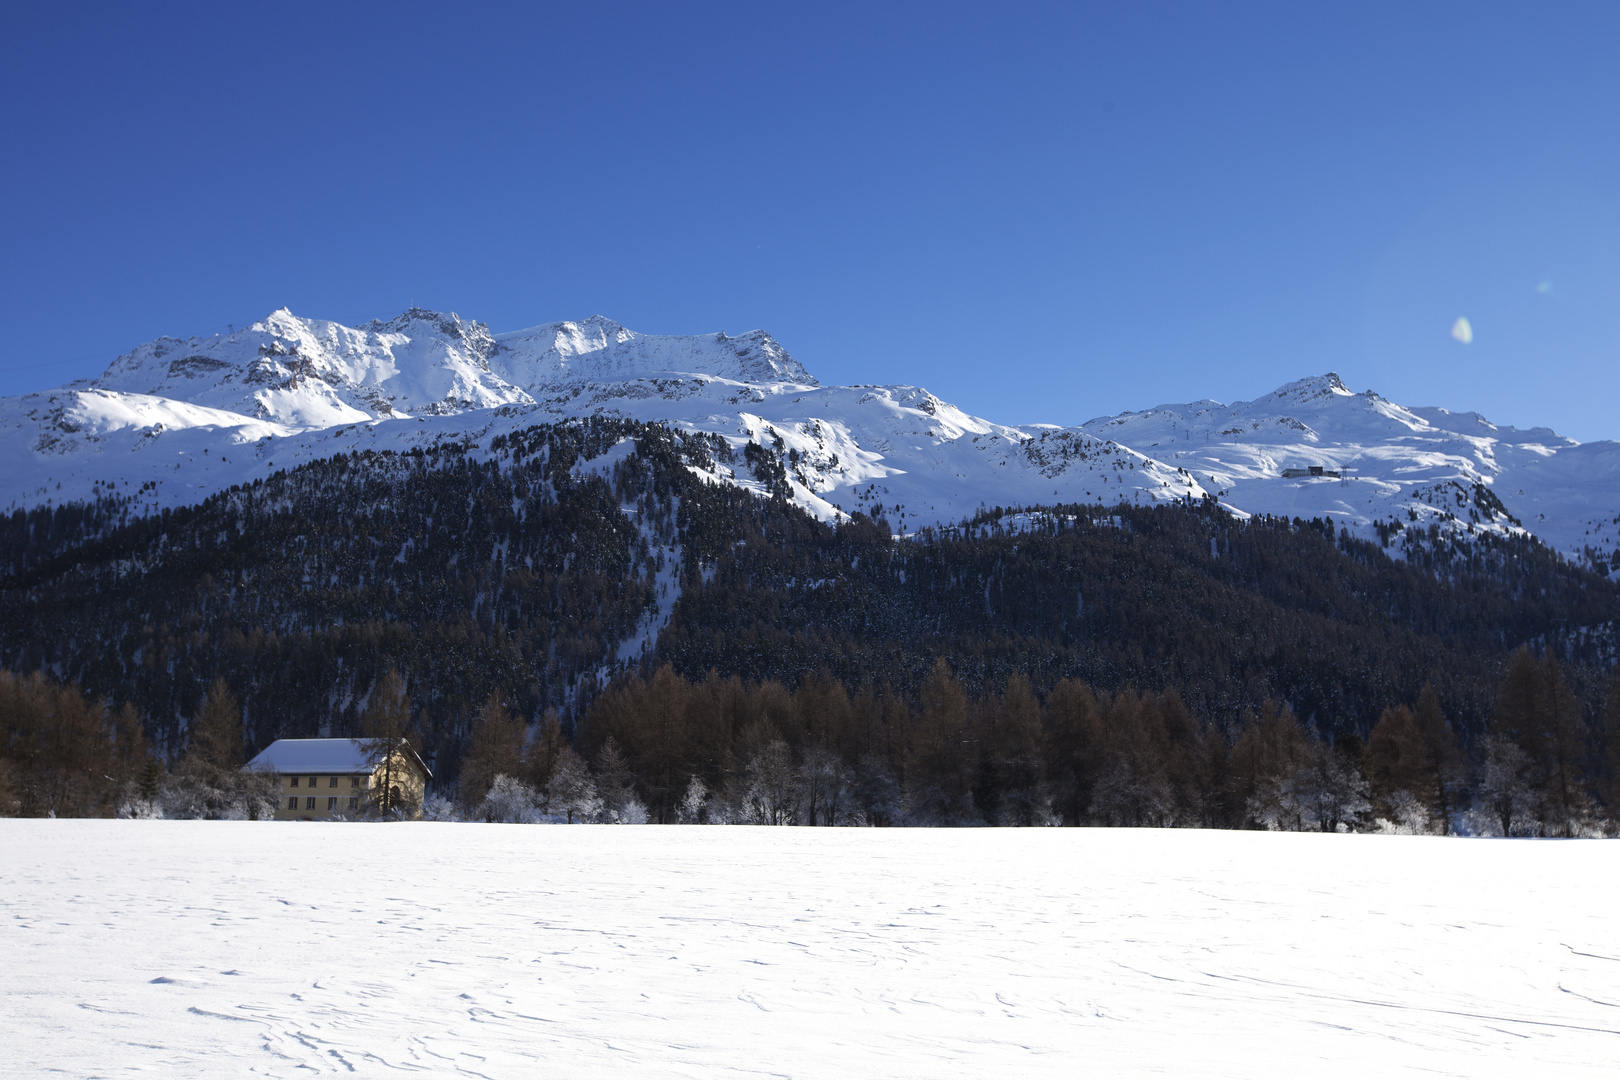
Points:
[(332, 781), (331, 803)]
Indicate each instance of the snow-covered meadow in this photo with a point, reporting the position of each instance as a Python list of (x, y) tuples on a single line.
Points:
[(234, 948)]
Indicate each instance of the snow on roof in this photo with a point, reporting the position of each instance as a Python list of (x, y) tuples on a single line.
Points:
[(314, 755), (323, 756)]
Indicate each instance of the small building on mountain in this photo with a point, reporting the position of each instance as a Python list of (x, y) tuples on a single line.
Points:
[(1309, 470), (327, 779)]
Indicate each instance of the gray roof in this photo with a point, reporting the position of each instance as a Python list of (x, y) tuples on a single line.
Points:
[(318, 756)]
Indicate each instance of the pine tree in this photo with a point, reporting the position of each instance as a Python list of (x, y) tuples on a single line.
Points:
[(663, 759), (1011, 733), (1266, 756), (1396, 752), (386, 729), (1442, 764), (1074, 747), (207, 781), (10, 802), (544, 750), (1193, 749), (1609, 776), (1131, 787), (937, 773), (63, 754), (130, 754), (1536, 709), (214, 741), (494, 748), (150, 783)]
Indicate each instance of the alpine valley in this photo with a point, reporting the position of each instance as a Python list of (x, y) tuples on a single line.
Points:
[(557, 518)]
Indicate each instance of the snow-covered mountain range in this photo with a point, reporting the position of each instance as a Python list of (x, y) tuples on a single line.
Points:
[(174, 420)]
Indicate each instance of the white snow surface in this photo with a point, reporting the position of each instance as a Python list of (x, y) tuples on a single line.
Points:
[(203, 949), (177, 420), (314, 755)]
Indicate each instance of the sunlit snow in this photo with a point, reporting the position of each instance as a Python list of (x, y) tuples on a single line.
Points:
[(200, 949), (173, 421)]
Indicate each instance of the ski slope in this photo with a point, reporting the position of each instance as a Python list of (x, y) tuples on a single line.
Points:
[(204, 949), (173, 421)]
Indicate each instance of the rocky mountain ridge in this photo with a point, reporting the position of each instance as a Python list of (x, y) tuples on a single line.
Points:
[(175, 420)]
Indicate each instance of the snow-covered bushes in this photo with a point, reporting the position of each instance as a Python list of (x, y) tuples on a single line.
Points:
[(875, 794), (239, 796), (220, 796), (510, 801), (1408, 816), (693, 809), (771, 796), (436, 807), (571, 794), (137, 808)]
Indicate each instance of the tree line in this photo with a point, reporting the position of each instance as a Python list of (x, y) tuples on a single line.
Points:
[(515, 571), (722, 750), (726, 750), (64, 754)]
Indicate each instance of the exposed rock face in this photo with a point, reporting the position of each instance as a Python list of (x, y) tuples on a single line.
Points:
[(176, 420)]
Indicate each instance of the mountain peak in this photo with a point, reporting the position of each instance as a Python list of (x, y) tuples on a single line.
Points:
[(296, 388), (416, 320), (1313, 387), (599, 349)]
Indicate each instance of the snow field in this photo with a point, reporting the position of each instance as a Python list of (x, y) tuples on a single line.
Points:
[(237, 948)]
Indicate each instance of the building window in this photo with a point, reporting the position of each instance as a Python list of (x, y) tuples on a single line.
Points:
[(354, 802), (309, 803), (312, 781), (292, 803), (331, 804), (292, 781), (354, 781), (333, 783)]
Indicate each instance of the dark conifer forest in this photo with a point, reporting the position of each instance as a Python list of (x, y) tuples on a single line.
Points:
[(587, 629)]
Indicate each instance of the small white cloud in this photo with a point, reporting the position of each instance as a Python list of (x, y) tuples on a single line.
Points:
[(1462, 331)]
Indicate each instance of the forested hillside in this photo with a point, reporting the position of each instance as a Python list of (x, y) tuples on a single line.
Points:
[(572, 557)]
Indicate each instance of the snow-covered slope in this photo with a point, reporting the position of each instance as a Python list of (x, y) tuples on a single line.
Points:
[(220, 948), (314, 373), (1394, 463), (558, 357), (174, 420)]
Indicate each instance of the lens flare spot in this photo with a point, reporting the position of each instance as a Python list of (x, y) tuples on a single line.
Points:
[(1462, 331), (1544, 287)]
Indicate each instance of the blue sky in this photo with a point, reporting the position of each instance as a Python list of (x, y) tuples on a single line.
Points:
[(1040, 212)]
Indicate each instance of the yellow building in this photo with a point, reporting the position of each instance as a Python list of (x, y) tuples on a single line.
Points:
[(338, 779)]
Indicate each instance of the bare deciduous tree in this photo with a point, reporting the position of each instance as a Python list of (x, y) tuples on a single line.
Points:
[(386, 726)]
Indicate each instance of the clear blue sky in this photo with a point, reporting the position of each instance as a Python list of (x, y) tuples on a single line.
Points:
[(1040, 212)]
